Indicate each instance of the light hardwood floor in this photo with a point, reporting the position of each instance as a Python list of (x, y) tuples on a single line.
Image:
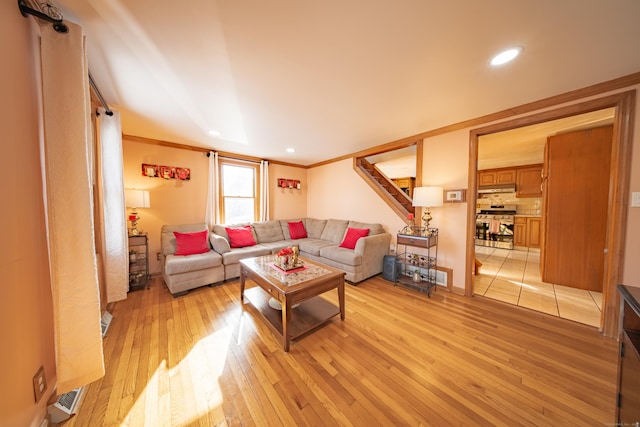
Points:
[(399, 358)]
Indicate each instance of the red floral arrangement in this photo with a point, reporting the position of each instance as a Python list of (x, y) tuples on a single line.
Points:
[(285, 251)]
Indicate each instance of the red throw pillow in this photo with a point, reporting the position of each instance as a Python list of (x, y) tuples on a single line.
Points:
[(352, 236), (192, 243), (239, 237), (297, 230)]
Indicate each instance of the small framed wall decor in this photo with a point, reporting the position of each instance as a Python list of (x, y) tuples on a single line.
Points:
[(166, 172), (289, 183)]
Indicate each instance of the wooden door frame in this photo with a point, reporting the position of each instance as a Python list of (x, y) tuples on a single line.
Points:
[(624, 105)]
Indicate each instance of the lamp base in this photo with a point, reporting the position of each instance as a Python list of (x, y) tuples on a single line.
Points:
[(426, 217)]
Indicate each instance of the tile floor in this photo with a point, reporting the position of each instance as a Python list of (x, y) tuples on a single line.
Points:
[(513, 276)]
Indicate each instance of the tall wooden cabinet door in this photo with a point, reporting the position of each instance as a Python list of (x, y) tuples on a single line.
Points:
[(576, 202)]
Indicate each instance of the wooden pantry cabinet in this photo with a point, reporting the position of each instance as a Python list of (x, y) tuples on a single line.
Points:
[(526, 231)]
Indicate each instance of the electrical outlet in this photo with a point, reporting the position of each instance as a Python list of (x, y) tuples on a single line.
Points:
[(635, 199), (158, 256), (39, 384)]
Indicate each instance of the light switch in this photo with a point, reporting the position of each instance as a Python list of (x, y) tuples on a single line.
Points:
[(635, 199)]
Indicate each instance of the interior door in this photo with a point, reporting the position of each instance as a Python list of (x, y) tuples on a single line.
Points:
[(575, 200)]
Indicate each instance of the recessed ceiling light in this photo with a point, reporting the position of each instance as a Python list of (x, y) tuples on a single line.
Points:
[(506, 56), (291, 150), (214, 133)]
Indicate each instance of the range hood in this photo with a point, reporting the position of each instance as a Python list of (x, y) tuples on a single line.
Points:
[(497, 188)]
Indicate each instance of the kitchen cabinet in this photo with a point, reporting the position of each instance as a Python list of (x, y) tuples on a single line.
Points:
[(406, 184), (526, 231), (533, 232), (497, 176), (520, 231), (529, 181)]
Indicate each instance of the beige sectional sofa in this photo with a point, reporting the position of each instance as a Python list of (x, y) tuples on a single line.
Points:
[(182, 273), (322, 244)]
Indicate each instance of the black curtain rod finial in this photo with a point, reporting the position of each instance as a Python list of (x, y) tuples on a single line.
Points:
[(58, 25)]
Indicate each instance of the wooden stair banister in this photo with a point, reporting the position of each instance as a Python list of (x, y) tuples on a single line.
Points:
[(393, 196)]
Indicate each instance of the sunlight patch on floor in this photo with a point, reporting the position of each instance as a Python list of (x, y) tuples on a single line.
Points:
[(201, 396)]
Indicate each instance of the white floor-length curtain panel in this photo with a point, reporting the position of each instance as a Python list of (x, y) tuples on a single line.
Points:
[(69, 206), (212, 214), (264, 190), (114, 232)]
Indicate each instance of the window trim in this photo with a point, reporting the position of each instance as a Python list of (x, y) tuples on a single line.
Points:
[(222, 161)]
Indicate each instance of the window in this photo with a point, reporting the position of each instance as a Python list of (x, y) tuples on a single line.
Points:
[(238, 191)]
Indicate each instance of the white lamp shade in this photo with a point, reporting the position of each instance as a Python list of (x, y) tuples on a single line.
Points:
[(427, 196), (137, 198)]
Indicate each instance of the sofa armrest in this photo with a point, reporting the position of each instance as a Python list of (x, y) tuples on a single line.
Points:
[(219, 243), (373, 249)]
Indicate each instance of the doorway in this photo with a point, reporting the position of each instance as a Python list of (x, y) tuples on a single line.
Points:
[(514, 276), (623, 105)]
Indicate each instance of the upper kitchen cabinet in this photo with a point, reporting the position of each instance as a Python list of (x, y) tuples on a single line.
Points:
[(497, 176), (529, 181)]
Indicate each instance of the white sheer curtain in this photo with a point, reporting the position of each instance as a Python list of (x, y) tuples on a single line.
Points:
[(264, 190), (111, 186), (212, 214), (66, 154)]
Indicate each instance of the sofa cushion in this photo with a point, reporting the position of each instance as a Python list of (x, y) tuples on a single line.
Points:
[(313, 246), (351, 237), (373, 228), (168, 239), (268, 231), (274, 247), (182, 264), (297, 230), (334, 230), (235, 255), (315, 227), (191, 243), (341, 255), (221, 229), (219, 243), (239, 237)]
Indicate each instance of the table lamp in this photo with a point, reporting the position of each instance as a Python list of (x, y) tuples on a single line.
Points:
[(135, 199), (427, 198)]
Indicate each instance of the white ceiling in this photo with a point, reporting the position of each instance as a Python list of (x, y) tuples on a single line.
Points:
[(333, 77), (525, 145)]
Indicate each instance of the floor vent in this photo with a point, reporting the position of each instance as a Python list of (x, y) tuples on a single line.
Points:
[(66, 405), (105, 321)]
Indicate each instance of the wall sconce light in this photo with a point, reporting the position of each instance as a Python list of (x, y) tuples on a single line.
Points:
[(135, 199)]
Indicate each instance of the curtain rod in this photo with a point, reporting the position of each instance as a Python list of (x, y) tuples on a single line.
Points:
[(54, 16), (107, 110), (56, 19)]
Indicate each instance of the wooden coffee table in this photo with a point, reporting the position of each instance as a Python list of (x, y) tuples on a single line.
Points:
[(300, 288)]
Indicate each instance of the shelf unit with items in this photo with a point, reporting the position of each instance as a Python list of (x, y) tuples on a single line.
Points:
[(138, 262), (417, 258)]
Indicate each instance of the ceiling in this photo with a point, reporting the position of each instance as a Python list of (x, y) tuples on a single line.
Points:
[(525, 145), (329, 78)]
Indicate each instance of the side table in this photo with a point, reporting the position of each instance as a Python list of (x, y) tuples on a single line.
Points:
[(138, 261)]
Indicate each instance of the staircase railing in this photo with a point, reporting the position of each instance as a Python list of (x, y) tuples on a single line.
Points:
[(395, 198)]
